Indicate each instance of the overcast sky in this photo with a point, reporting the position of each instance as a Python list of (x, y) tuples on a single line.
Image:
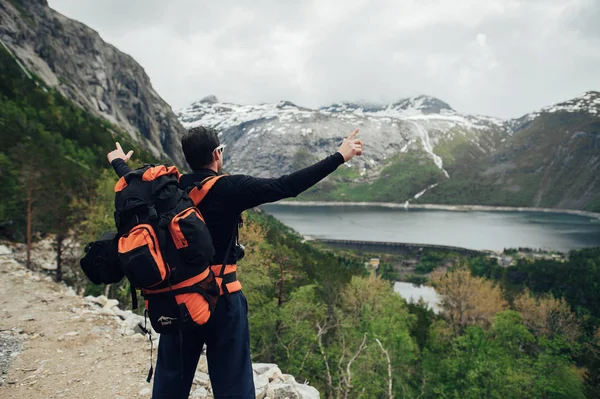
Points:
[(493, 57)]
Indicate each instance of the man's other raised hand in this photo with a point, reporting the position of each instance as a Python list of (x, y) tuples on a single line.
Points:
[(118, 153)]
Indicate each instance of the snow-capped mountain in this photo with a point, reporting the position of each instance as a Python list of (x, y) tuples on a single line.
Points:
[(268, 139), (585, 103), (421, 149)]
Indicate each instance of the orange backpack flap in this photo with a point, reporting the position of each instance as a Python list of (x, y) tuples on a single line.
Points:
[(141, 258), (147, 173), (155, 172)]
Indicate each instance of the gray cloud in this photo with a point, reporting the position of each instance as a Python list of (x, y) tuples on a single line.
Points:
[(494, 57)]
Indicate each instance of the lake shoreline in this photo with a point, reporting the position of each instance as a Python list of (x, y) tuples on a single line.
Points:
[(457, 208)]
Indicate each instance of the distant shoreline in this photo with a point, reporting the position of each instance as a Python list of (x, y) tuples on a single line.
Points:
[(441, 207)]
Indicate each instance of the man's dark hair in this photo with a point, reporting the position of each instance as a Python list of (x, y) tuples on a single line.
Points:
[(198, 145)]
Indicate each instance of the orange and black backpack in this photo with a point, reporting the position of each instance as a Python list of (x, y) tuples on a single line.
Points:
[(165, 248)]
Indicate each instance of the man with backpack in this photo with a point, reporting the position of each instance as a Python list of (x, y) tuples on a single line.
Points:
[(222, 200)]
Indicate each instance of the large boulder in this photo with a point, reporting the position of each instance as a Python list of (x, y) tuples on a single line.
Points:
[(307, 392), (282, 391)]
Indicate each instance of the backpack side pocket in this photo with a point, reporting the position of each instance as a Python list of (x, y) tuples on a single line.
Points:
[(101, 262), (141, 258)]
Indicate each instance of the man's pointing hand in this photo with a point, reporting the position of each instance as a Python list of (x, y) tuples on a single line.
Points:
[(351, 146)]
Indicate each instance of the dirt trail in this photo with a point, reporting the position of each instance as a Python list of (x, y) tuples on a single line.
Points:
[(69, 349), (56, 344)]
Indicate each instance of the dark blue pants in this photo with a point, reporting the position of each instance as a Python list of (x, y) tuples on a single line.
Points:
[(227, 341)]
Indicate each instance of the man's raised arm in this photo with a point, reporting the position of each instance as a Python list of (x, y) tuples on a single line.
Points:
[(251, 191)]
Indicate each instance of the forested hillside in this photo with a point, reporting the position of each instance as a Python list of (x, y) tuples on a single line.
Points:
[(52, 156)]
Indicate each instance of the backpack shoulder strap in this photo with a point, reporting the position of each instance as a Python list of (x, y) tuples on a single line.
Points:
[(198, 193)]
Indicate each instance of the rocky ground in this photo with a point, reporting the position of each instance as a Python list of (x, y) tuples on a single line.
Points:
[(56, 344)]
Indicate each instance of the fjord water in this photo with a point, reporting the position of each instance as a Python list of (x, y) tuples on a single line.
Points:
[(491, 230)]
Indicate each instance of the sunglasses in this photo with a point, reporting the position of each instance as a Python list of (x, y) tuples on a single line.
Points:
[(220, 148)]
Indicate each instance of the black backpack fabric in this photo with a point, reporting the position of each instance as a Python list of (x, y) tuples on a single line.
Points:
[(101, 260), (164, 240), (165, 248)]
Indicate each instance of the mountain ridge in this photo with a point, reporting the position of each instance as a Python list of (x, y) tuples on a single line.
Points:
[(588, 101)]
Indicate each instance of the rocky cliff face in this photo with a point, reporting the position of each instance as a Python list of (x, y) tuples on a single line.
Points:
[(72, 58), (553, 158)]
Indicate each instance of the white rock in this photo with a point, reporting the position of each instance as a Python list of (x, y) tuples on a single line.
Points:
[(145, 391), (70, 291), (260, 386), (132, 321), (111, 303), (100, 300), (106, 312), (4, 250), (276, 378), (307, 392), (261, 368), (48, 265), (201, 392), (273, 373), (287, 378), (123, 314), (260, 381), (203, 365), (202, 379), (281, 391)]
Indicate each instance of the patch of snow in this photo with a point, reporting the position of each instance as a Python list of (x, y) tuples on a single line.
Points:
[(425, 140), (587, 102), (420, 194)]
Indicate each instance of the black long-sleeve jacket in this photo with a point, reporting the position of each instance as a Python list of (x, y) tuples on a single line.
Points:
[(233, 194)]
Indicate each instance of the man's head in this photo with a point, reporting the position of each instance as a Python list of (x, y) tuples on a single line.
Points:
[(202, 148)]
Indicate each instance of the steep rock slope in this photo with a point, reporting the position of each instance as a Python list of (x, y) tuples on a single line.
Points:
[(73, 58), (552, 160)]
